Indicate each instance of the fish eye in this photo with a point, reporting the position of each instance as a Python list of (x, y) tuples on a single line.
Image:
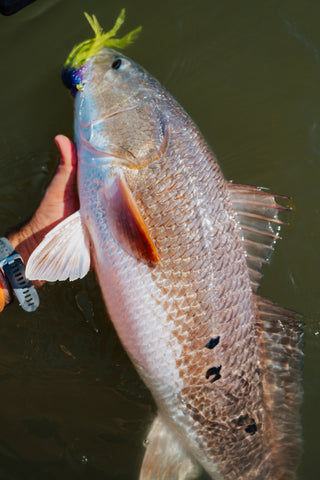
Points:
[(116, 64)]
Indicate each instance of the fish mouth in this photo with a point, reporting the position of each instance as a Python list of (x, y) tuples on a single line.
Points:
[(72, 78)]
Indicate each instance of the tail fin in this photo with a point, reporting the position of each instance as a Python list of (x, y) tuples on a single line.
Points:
[(280, 341)]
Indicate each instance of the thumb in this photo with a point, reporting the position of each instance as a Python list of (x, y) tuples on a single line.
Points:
[(68, 154)]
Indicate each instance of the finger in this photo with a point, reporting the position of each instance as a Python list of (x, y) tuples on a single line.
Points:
[(68, 156)]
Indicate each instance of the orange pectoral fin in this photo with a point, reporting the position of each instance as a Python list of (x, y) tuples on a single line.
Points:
[(128, 225)]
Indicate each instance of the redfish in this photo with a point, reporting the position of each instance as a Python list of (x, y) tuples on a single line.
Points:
[(177, 251)]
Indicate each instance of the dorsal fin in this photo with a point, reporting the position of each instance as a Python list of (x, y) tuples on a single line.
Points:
[(258, 215), (280, 343)]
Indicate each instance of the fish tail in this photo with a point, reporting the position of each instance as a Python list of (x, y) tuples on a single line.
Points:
[(280, 338)]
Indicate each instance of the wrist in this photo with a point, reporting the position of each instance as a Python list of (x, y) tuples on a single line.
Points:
[(23, 242), (13, 278)]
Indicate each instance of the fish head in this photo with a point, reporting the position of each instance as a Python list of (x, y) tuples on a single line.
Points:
[(117, 116)]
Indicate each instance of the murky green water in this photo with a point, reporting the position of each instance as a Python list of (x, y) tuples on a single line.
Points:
[(71, 404)]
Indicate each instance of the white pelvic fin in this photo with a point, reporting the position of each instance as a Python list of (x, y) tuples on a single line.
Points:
[(63, 254), (165, 457)]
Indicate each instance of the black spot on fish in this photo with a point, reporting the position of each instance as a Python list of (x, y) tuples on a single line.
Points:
[(214, 371), (252, 428), (213, 342)]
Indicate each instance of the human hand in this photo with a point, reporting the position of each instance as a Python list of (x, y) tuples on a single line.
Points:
[(60, 201)]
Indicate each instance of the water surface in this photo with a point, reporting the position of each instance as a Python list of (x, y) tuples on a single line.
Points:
[(248, 73)]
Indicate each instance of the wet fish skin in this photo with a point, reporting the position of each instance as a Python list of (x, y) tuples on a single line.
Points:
[(201, 287), (218, 402)]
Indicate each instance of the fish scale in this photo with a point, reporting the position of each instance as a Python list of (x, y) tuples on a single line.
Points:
[(174, 269), (191, 361)]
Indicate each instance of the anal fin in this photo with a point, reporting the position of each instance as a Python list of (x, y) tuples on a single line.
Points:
[(165, 457), (258, 216), (280, 343)]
